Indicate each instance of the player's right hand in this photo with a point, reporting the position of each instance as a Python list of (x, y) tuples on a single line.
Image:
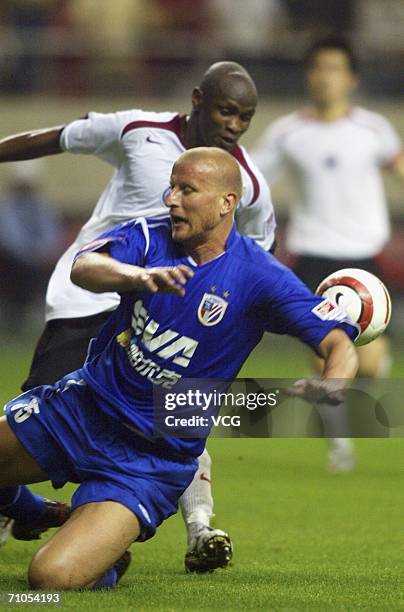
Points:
[(165, 280), (327, 391)]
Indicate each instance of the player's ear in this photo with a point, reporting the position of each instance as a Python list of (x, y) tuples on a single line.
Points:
[(229, 203), (197, 98)]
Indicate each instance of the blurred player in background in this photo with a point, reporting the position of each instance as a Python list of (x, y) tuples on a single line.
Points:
[(31, 235), (132, 479), (142, 146), (334, 152)]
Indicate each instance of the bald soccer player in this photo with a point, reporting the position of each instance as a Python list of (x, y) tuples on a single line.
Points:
[(163, 271), (142, 147)]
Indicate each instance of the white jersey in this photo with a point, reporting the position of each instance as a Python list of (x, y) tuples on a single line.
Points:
[(142, 146), (340, 210)]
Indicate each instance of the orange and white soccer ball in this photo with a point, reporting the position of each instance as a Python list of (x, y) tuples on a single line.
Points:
[(363, 297)]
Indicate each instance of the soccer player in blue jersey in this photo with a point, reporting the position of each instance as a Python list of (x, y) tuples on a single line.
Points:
[(141, 146), (196, 297)]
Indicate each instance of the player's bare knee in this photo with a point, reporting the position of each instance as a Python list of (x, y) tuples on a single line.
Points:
[(45, 575), (49, 573), (368, 370), (373, 358)]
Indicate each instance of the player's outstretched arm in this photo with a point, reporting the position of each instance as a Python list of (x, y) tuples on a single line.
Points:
[(98, 272), (339, 354), (340, 367), (30, 145)]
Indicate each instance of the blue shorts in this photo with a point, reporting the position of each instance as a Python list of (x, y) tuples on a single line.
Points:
[(63, 429)]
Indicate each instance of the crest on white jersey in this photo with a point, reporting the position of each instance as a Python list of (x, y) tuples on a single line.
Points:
[(211, 309)]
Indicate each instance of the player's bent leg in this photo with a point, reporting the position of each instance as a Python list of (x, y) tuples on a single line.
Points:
[(375, 358), (197, 501), (341, 453), (374, 362), (91, 545), (28, 514), (208, 549), (11, 453), (16, 464)]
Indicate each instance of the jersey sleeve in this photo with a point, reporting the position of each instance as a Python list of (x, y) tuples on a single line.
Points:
[(268, 153), (257, 219), (98, 134), (127, 243), (288, 307), (389, 143), (255, 215)]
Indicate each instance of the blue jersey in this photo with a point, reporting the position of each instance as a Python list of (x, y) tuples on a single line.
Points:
[(158, 339)]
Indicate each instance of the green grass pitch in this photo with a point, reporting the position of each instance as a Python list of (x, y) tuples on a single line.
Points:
[(304, 539)]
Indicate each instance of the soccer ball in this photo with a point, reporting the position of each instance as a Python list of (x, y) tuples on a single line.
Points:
[(363, 297)]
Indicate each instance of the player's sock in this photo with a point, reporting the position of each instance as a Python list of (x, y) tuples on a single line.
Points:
[(341, 456), (20, 504), (334, 419), (111, 577), (197, 502), (108, 580)]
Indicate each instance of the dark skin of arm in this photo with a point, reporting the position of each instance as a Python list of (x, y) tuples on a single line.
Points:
[(30, 145)]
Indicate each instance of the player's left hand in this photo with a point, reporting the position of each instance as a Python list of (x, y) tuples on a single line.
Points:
[(167, 279), (327, 391)]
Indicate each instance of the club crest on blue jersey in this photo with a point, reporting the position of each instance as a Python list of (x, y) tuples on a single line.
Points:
[(211, 309)]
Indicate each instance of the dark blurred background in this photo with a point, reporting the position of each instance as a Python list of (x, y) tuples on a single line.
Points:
[(81, 47)]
